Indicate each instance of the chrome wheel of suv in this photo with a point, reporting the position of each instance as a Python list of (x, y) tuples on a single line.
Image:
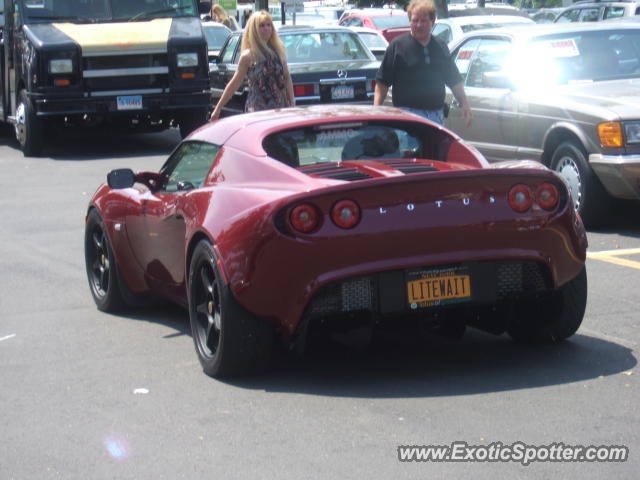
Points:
[(28, 126)]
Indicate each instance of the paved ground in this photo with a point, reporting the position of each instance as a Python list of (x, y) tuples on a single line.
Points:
[(85, 395)]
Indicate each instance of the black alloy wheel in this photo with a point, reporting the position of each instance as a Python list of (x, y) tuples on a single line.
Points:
[(229, 341), (102, 270), (208, 311)]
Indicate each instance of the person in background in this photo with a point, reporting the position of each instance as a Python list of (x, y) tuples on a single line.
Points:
[(263, 62), (245, 16), (218, 14), (418, 66)]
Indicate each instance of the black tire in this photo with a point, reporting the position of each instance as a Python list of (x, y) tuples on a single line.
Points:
[(102, 268), (552, 320), (589, 196), (229, 340), (192, 120), (28, 127)]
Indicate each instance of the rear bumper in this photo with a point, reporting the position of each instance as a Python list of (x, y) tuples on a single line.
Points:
[(376, 267), (108, 105), (620, 174)]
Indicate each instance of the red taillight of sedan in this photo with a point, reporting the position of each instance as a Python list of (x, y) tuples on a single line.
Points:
[(522, 197), (304, 90), (547, 196), (345, 214), (304, 218)]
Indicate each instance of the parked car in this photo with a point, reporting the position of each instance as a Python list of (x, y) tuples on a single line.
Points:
[(546, 15), (390, 22), (272, 224), (452, 28), (373, 39), (327, 65), (216, 34), (567, 95), (331, 15), (590, 11)]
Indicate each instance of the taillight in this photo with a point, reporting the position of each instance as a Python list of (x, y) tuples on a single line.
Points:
[(345, 214), (547, 196), (520, 198), (305, 90), (304, 218)]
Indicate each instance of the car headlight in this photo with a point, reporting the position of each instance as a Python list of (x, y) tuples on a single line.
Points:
[(61, 65), (187, 60), (632, 132)]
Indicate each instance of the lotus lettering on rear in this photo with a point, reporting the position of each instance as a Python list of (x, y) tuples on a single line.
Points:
[(411, 207)]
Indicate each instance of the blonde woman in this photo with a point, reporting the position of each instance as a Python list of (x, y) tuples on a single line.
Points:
[(218, 14), (263, 62)]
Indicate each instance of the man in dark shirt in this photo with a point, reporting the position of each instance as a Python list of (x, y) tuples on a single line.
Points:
[(418, 66)]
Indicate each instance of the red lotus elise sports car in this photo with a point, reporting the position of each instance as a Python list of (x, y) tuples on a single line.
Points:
[(267, 223)]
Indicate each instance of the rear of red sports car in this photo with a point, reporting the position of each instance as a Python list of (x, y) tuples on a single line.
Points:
[(341, 216), (402, 231)]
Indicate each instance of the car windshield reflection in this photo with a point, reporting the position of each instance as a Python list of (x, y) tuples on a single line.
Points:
[(577, 58), (90, 11)]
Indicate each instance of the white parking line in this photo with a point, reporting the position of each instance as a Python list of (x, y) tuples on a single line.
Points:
[(7, 337)]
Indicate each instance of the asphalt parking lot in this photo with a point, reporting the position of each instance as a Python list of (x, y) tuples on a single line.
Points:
[(91, 395)]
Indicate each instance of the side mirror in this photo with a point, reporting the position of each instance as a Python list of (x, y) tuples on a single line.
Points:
[(121, 178)]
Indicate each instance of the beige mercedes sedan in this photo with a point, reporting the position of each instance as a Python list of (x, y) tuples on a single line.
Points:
[(567, 95)]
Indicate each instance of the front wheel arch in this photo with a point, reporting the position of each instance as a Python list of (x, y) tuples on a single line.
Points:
[(554, 138)]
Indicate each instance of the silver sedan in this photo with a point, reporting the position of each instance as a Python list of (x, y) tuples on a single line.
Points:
[(565, 95)]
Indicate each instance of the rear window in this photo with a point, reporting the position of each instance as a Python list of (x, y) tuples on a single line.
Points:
[(373, 40), (390, 21), (348, 141), (323, 47)]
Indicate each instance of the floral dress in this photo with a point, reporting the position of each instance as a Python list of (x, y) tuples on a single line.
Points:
[(267, 87)]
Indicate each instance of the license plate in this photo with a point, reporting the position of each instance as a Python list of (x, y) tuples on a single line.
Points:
[(428, 288), (342, 92), (130, 102)]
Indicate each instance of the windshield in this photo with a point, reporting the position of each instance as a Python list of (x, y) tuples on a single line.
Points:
[(91, 11), (323, 47), (372, 40), (580, 57), (390, 21), (340, 142), (216, 35)]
